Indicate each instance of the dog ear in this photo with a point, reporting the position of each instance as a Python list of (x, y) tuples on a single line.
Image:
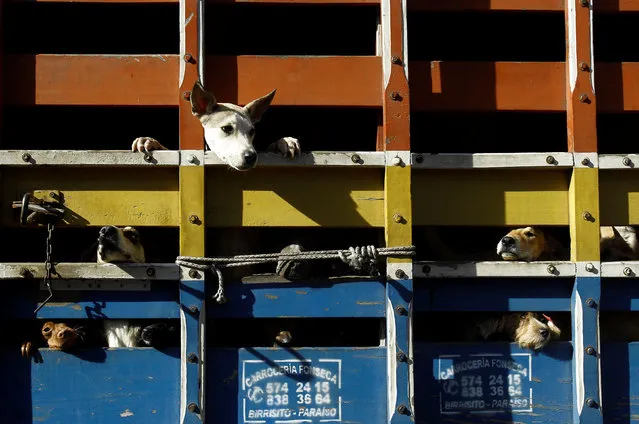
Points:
[(202, 101), (257, 107)]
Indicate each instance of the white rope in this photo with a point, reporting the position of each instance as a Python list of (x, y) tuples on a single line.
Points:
[(357, 258)]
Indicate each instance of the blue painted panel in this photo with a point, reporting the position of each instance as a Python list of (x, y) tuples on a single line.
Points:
[(333, 299), (160, 302), (500, 294), (106, 386), (498, 382), (620, 294), (247, 385), (620, 381), (15, 387)]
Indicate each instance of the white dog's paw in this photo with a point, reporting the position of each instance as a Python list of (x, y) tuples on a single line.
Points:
[(288, 146), (146, 145)]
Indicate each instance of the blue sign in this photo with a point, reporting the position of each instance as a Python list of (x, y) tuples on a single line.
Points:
[(485, 383), (290, 390)]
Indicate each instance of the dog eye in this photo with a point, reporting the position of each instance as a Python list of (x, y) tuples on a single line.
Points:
[(252, 131), (529, 234), (227, 129), (46, 329)]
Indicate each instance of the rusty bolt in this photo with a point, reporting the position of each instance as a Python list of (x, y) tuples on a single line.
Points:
[(188, 57), (150, 272), (627, 161), (583, 66), (590, 267), (591, 403), (419, 158), (192, 407), (584, 98), (401, 356), (591, 303), (587, 216), (426, 269), (627, 271), (397, 218), (585, 161), (401, 310), (194, 274), (400, 273), (395, 96), (590, 350), (397, 161), (26, 157), (148, 157), (550, 160), (551, 269), (356, 158), (402, 409), (584, 3), (193, 219), (186, 95), (396, 60), (192, 358)]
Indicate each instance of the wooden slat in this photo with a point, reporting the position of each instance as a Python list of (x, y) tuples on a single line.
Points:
[(91, 80), (462, 5), (487, 86), (490, 197), (300, 81)]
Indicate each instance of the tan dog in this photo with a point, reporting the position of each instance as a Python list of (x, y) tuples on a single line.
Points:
[(57, 336), (528, 244), (120, 245), (530, 330)]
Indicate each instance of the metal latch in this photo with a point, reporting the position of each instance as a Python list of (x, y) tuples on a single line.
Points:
[(41, 207)]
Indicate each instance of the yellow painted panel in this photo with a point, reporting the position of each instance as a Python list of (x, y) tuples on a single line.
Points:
[(100, 196), (398, 205), (292, 197), (619, 197), (192, 227), (490, 197), (584, 198)]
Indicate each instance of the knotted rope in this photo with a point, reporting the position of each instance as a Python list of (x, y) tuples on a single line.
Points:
[(356, 257)]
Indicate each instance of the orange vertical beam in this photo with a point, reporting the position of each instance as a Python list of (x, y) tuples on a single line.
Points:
[(191, 132), (581, 104)]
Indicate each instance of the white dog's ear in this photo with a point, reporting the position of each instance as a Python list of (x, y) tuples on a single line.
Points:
[(202, 102), (257, 107)]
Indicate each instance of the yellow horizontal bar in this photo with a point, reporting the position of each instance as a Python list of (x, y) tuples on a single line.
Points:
[(100, 196), (295, 197), (619, 197), (497, 197)]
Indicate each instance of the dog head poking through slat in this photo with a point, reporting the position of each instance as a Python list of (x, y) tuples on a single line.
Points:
[(120, 245), (526, 244), (535, 330), (60, 336)]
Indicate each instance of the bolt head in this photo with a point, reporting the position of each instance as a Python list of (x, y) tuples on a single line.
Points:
[(192, 159), (591, 403), (590, 350), (401, 356), (402, 409), (193, 219), (583, 98), (26, 157), (194, 274), (551, 269), (186, 95), (150, 272), (396, 60), (590, 267), (192, 407), (400, 273), (148, 157), (193, 309), (583, 66), (356, 158), (590, 302), (188, 57), (397, 218), (587, 216), (401, 310), (395, 95), (426, 269), (626, 161), (585, 161), (627, 271), (192, 358), (550, 160), (397, 161), (419, 158), (584, 3)]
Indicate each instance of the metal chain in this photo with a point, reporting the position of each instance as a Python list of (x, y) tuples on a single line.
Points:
[(47, 267)]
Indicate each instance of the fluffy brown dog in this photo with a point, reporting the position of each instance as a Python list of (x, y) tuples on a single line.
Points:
[(530, 330)]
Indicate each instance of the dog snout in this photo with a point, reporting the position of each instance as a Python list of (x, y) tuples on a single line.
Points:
[(543, 333), (108, 230), (508, 241), (250, 157)]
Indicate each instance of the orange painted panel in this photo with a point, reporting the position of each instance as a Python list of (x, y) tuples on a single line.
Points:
[(616, 86), (91, 80), (487, 86), (300, 81), (540, 5)]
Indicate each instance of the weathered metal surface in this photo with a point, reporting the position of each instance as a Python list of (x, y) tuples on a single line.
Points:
[(92, 271), (620, 382), (331, 299), (290, 197), (315, 158), (89, 158), (491, 160), (493, 294), (105, 385), (498, 382), (520, 5), (490, 197), (494, 269), (244, 380)]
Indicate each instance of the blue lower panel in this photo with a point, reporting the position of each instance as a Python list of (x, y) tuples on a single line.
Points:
[(493, 382), (106, 386), (292, 386), (620, 382)]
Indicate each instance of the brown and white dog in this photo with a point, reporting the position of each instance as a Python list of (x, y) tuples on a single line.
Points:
[(617, 243), (229, 129), (530, 330)]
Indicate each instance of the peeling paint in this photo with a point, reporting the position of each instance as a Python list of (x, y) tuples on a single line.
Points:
[(368, 303), (271, 296), (188, 19), (126, 413)]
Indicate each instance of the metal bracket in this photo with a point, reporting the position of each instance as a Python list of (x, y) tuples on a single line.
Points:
[(41, 207)]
